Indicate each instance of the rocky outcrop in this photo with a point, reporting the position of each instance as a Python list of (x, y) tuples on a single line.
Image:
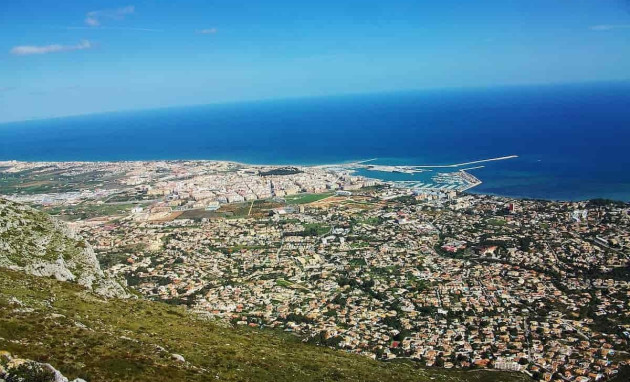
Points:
[(38, 244), (24, 370)]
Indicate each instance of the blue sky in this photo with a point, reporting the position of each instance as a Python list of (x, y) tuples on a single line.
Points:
[(68, 57)]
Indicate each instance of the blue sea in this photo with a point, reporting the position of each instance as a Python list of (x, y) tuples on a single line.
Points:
[(573, 141)]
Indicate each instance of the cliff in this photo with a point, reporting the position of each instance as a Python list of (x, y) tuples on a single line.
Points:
[(35, 243)]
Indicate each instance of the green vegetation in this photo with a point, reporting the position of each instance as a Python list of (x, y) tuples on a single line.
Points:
[(307, 198), (132, 340), (496, 222), (359, 244), (407, 200), (371, 220), (284, 283), (357, 262), (88, 210), (599, 202), (316, 229), (25, 182), (49, 181), (282, 171), (109, 259), (259, 208)]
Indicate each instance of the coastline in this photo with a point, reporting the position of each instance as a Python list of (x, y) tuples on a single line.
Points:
[(353, 165), (562, 156)]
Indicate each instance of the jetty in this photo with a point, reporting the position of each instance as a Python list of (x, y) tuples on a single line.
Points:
[(466, 163)]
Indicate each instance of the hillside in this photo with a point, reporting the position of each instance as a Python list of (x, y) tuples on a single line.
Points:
[(34, 242)]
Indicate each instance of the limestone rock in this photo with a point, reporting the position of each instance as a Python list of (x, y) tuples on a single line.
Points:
[(33, 242), (24, 370)]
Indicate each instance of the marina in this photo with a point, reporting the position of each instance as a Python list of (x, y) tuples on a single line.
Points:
[(444, 182), (459, 180)]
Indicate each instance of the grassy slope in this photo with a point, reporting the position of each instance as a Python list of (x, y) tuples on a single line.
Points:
[(120, 342)]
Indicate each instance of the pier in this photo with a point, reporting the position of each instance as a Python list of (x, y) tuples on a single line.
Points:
[(412, 169), (466, 163), (459, 180)]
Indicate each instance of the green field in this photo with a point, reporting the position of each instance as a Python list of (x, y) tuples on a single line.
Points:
[(316, 229), (50, 181), (90, 210), (496, 222), (307, 198), (283, 283)]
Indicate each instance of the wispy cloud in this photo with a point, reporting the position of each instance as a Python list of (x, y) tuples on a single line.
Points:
[(608, 27), (94, 18), (207, 31), (25, 50), (119, 29)]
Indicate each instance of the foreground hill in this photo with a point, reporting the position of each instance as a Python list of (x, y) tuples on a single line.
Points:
[(83, 335)]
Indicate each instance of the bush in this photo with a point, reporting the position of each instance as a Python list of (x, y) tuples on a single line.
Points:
[(30, 372)]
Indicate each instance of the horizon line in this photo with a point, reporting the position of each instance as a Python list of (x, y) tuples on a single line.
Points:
[(320, 96)]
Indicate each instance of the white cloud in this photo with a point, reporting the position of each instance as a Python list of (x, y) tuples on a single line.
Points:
[(24, 50), (207, 31), (117, 29), (607, 27), (94, 18), (92, 21)]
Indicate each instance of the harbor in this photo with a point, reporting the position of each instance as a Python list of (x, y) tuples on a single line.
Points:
[(421, 178), (450, 181)]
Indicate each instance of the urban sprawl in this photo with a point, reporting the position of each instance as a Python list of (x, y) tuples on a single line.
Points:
[(443, 278)]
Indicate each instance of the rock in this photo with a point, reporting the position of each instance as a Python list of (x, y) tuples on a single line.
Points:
[(15, 302), (178, 357), (110, 288), (15, 362), (33, 242), (80, 325), (5, 357), (24, 370), (58, 270)]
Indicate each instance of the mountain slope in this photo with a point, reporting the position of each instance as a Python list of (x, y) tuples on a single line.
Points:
[(40, 245)]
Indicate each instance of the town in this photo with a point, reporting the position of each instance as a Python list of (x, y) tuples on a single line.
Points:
[(443, 278)]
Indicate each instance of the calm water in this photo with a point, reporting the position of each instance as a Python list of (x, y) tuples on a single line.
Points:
[(573, 141)]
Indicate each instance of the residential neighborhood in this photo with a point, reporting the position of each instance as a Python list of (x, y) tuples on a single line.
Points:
[(442, 278)]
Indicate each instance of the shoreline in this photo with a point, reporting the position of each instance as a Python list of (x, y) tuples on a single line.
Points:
[(350, 166), (324, 165)]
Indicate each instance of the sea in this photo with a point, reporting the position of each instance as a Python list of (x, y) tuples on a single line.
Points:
[(572, 141)]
